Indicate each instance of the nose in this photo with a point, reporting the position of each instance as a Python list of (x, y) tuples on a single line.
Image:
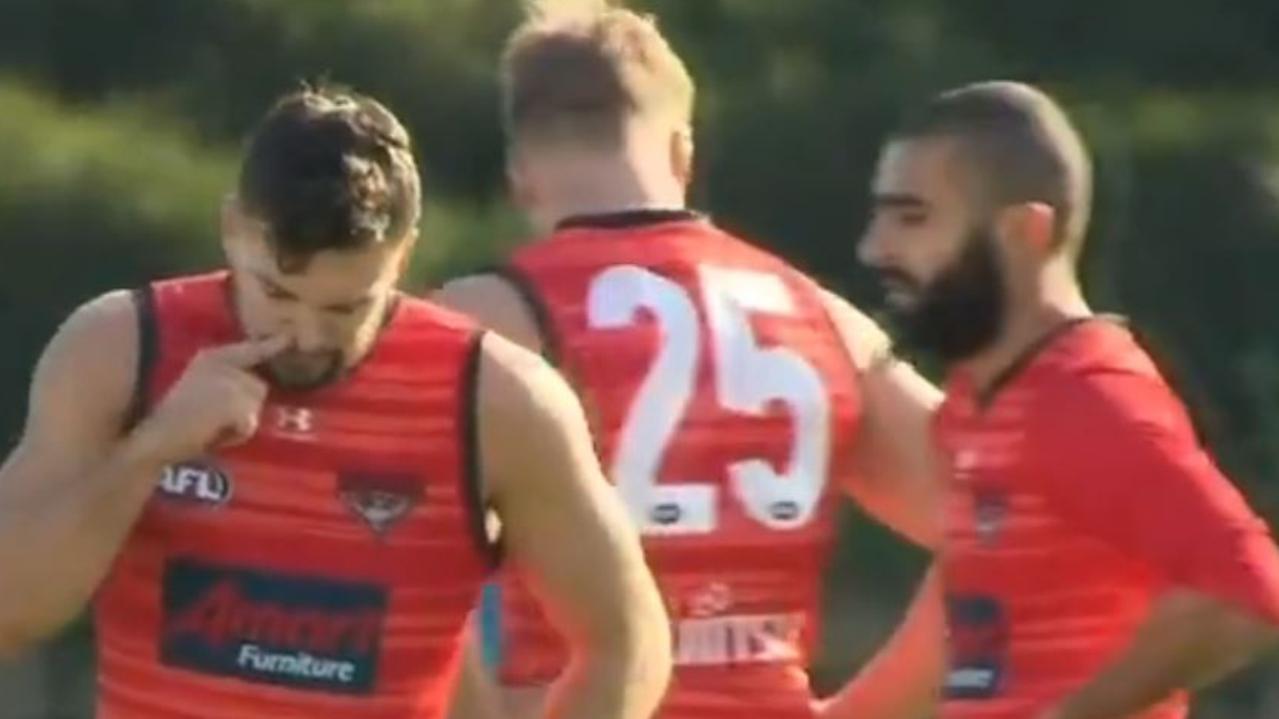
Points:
[(305, 330)]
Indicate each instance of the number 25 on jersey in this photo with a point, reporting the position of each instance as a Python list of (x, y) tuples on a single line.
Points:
[(748, 377)]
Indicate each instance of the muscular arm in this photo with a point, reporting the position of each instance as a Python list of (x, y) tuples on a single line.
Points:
[(894, 479), (72, 488), (491, 301), (568, 535)]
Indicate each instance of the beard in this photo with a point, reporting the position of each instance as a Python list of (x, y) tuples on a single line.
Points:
[(961, 311), (295, 371)]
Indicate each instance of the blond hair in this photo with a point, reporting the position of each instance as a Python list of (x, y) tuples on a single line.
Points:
[(578, 70)]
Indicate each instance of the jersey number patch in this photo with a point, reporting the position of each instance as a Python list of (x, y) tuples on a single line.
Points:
[(748, 378)]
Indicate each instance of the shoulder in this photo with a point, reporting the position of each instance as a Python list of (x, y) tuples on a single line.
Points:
[(867, 344), (525, 413), (91, 363), (517, 385), (1102, 385), (494, 302), (103, 330)]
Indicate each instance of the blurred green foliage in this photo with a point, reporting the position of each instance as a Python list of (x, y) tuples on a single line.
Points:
[(121, 121)]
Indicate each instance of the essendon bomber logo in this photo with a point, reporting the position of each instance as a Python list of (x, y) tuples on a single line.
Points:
[(381, 500), (298, 632), (990, 514)]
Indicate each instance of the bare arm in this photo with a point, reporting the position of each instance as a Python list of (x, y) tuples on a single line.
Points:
[(478, 694), (491, 301), (1189, 641), (902, 681), (475, 696), (494, 303), (896, 482), (73, 487), (567, 533), (895, 479)]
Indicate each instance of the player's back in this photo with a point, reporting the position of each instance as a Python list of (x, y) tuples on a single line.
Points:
[(723, 405), (323, 568)]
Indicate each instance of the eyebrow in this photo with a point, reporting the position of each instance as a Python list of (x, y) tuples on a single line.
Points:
[(898, 201)]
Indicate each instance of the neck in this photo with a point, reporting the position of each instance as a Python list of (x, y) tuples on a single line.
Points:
[(1033, 313), (602, 184), (602, 201)]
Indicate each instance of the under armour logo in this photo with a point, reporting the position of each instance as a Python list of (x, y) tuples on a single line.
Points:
[(295, 420)]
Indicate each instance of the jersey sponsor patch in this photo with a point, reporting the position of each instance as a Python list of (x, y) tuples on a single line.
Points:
[(304, 633), (196, 482), (738, 639), (978, 644)]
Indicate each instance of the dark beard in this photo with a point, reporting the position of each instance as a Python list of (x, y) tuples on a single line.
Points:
[(961, 311)]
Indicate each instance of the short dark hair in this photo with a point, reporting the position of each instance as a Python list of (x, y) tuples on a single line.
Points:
[(1020, 146), (329, 169)]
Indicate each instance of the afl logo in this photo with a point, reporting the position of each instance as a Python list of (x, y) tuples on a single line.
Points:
[(196, 482)]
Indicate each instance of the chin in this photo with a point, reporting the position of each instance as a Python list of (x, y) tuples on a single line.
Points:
[(302, 381)]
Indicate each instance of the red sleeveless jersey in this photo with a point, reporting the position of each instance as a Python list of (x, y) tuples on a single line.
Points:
[(326, 567), (1077, 492), (723, 406)]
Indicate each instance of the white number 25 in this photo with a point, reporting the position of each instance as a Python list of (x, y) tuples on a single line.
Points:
[(748, 377)]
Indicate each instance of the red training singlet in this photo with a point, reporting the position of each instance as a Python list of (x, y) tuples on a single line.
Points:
[(724, 407), (1077, 492), (326, 567)]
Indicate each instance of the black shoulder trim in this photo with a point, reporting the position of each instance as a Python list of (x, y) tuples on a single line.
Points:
[(541, 314), (472, 469), (148, 352)]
